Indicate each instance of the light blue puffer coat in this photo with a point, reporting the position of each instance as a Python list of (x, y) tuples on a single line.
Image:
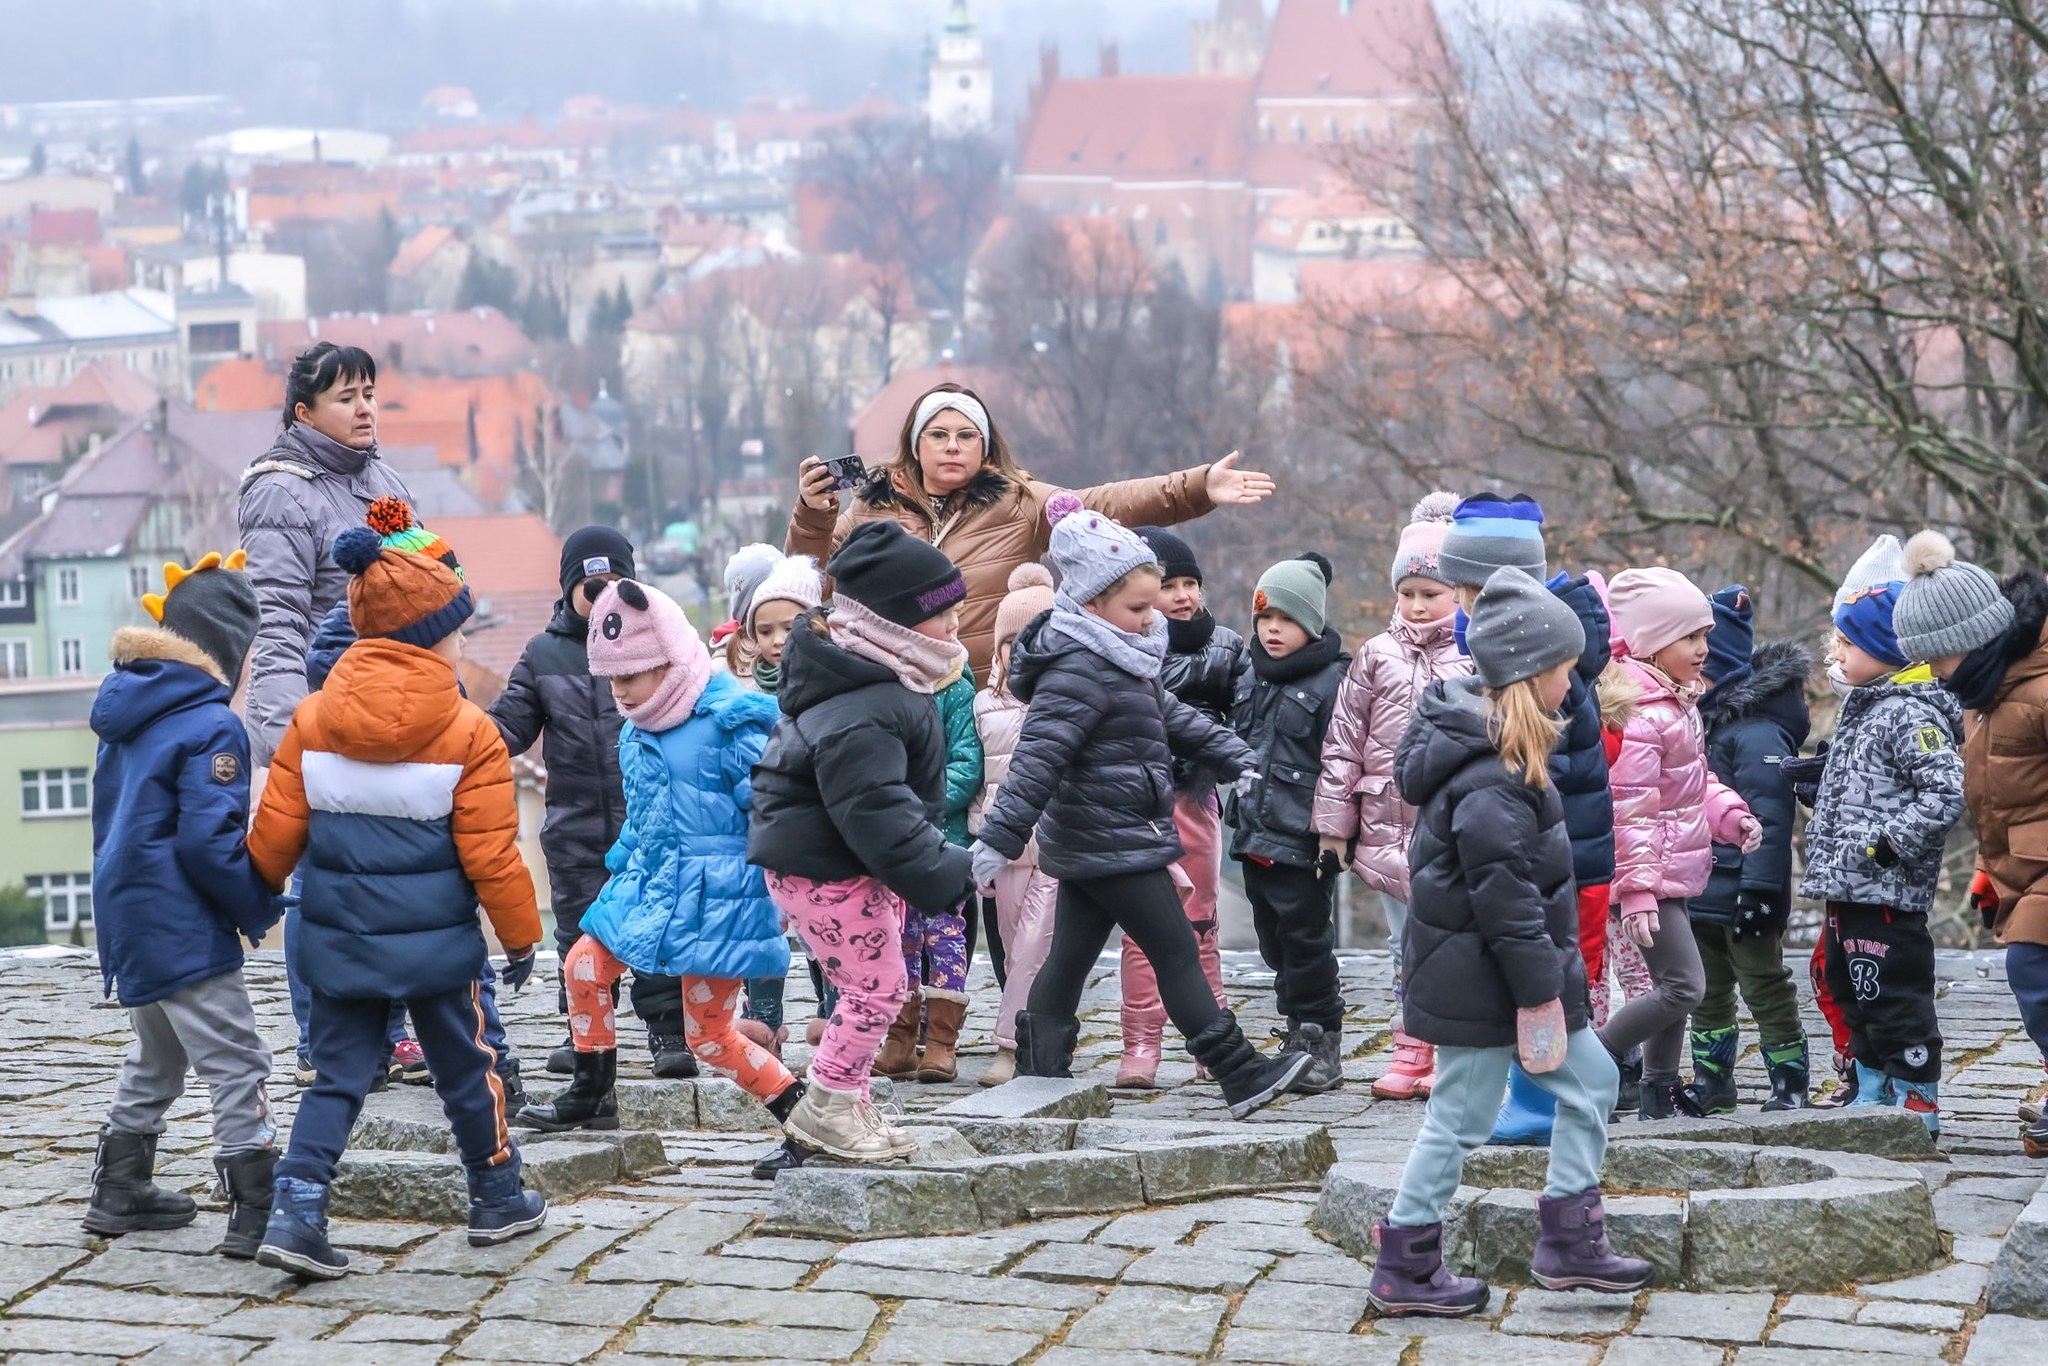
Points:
[(682, 898)]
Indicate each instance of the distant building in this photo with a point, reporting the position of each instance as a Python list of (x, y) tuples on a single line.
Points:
[(44, 342), (460, 342), (275, 280), (55, 191), (43, 430), (46, 797), (1231, 44), (961, 93), (427, 272)]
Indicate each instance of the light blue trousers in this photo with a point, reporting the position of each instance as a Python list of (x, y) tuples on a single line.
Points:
[(1469, 1085)]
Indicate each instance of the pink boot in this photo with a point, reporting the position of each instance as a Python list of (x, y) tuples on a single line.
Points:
[(1413, 1074), (1144, 1020)]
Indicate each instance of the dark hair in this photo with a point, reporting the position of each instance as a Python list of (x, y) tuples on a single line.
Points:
[(319, 368), (995, 454)]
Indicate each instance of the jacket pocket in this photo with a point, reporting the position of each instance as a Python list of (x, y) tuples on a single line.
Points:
[(1289, 798), (2028, 841)]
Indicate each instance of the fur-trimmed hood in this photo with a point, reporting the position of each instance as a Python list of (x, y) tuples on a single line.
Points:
[(1621, 693), (156, 673), (132, 643), (1776, 668), (986, 489)]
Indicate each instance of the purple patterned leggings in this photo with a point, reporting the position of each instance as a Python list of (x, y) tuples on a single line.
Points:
[(935, 948)]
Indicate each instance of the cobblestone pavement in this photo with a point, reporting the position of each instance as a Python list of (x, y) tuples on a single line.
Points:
[(674, 1268)]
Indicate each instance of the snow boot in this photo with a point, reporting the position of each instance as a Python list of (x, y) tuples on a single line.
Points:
[(1045, 1045), (249, 1179), (1325, 1049), (1789, 1077), (791, 1154), (500, 1206), (1664, 1098), (1872, 1088), (838, 1123), (2034, 1138), (1138, 1069), (671, 1054), (1628, 1098), (1923, 1098), (1526, 1114), (1413, 1072), (1409, 1276), (945, 1012), (1250, 1080), (898, 1057), (562, 1060), (295, 1239), (1572, 1251), (588, 1103), (1001, 1069), (1713, 1070), (515, 1089), (125, 1196)]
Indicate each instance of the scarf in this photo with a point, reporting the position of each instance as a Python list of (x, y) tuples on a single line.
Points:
[(671, 704), (327, 453), (1137, 655), (920, 663), (1310, 658), (1688, 694), (1191, 636), (767, 677)]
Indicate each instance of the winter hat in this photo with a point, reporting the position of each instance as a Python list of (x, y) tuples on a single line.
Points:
[(895, 575), (1300, 588), (1520, 628), (1656, 606), (211, 605), (1733, 639), (1949, 606), (1092, 550), (795, 578), (1866, 619), (1883, 562), (1030, 593), (744, 573), (398, 528), (1422, 540), (398, 593), (1176, 556), (634, 628), (593, 552), (1488, 531)]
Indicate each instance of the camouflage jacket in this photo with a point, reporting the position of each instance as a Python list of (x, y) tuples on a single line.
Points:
[(1895, 770)]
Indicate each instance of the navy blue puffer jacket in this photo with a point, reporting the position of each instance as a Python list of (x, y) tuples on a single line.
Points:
[(1578, 767)]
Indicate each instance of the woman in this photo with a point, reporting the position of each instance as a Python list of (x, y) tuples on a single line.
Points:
[(955, 485)]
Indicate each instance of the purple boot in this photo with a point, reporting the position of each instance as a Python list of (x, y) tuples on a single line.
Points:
[(1409, 1277), (1572, 1251)]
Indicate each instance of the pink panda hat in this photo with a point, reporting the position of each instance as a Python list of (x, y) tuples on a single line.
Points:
[(635, 628)]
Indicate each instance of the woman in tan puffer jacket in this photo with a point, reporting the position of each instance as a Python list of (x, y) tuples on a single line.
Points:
[(1356, 806)]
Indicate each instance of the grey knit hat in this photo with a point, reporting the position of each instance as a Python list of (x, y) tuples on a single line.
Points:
[(1948, 606), (1092, 550), (212, 605), (1301, 589), (1519, 628)]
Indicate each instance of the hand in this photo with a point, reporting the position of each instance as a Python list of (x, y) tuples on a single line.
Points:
[(1540, 1037), (988, 865), (816, 489), (1750, 831), (518, 967), (1984, 899), (1884, 853), (1245, 782), (1333, 847), (1805, 775), (1230, 486), (1753, 919), (1640, 925)]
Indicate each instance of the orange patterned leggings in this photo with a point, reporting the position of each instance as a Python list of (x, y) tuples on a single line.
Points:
[(710, 1005)]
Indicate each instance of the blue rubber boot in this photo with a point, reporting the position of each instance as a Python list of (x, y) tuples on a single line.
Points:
[(1872, 1088), (500, 1206), (1923, 1098), (1526, 1115), (295, 1239)]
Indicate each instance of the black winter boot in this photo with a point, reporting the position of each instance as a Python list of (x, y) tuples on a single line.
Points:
[(1325, 1049), (1790, 1077), (249, 1180), (562, 1061), (791, 1154), (1630, 1096), (124, 1197), (515, 1089), (1713, 1070), (1045, 1045), (672, 1056), (1250, 1080), (589, 1103), (1664, 1098)]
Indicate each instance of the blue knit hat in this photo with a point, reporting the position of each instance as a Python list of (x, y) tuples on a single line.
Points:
[(1733, 637), (1866, 619), (1489, 531)]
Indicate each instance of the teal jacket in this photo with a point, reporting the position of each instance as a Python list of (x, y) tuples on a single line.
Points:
[(964, 759)]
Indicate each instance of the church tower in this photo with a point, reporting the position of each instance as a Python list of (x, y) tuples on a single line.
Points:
[(1231, 44), (961, 95)]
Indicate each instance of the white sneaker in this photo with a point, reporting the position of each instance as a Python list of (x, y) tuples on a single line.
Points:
[(836, 1122)]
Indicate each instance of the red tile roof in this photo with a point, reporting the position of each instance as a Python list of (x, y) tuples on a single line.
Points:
[(510, 564), (473, 341), (1352, 49), (76, 227), (38, 425), (418, 249), (809, 290), (1140, 127)]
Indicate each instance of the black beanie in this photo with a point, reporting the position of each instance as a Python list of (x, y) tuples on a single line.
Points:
[(593, 551), (212, 605), (1176, 557), (894, 575)]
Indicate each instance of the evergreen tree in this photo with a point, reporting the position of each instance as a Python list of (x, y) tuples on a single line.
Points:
[(138, 179), (38, 159)]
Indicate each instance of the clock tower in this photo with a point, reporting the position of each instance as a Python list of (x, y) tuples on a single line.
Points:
[(961, 97)]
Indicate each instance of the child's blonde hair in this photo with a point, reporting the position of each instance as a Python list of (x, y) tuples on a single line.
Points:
[(1522, 730)]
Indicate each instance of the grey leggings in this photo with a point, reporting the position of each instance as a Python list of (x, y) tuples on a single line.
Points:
[(1678, 985)]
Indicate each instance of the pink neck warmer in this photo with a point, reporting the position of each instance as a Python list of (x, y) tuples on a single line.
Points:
[(920, 663), (672, 702)]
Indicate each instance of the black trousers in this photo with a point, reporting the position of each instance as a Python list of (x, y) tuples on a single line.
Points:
[(1294, 915), (1879, 965), (1147, 908), (985, 920), (657, 1000)]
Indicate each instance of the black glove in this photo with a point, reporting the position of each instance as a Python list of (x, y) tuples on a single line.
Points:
[(1756, 918), (1885, 852), (1328, 864), (518, 967), (1805, 775)]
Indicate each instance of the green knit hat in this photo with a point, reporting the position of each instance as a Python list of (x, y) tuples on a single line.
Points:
[(1299, 588)]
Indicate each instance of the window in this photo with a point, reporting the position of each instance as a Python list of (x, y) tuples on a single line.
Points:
[(68, 594), (138, 580), (54, 792), (71, 655), (66, 898), (14, 659), (13, 592), (213, 338)]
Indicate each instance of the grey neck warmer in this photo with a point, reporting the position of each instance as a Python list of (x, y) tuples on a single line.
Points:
[(1137, 655), (327, 453)]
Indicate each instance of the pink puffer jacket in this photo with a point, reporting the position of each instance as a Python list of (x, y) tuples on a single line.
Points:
[(1355, 795), (1669, 808), (998, 720)]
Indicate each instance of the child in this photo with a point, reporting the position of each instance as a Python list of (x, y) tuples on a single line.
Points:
[(1359, 816), (1892, 787), (1206, 666), (1298, 663), (1754, 713), (1493, 955), (681, 899), (397, 793), (1092, 774), (849, 798), (1669, 811), (1024, 895), (173, 893)]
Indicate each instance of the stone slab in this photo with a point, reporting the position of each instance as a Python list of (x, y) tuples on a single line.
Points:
[(1870, 1230), (1032, 1098), (883, 1201), (1003, 1137), (2019, 1278), (1082, 1181), (431, 1187), (1231, 1163)]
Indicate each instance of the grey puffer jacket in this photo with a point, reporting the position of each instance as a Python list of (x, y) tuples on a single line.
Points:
[(1894, 771), (305, 491)]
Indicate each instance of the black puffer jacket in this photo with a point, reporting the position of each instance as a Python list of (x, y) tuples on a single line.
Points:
[(1207, 665), (1093, 768), (1578, 766), (1493, 920), (1283, 717), (552, 697), (853, 782), (1755, 721)]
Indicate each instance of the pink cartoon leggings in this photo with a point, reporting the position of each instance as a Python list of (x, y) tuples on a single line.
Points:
[(854, 931)]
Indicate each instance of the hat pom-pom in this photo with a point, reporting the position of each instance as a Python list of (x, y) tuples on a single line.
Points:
[(1061, 506), (1927, 552), (356, 549), (1029, 575), (1435, 507), (1322, 564), (388, 516)]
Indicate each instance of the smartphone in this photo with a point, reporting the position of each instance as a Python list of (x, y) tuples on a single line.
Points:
[(848, 471)]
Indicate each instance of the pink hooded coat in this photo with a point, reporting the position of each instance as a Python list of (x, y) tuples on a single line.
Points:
[(1669, 808), (1355, 795)]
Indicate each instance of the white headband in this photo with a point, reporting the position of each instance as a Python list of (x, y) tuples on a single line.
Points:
[(937, 402)]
